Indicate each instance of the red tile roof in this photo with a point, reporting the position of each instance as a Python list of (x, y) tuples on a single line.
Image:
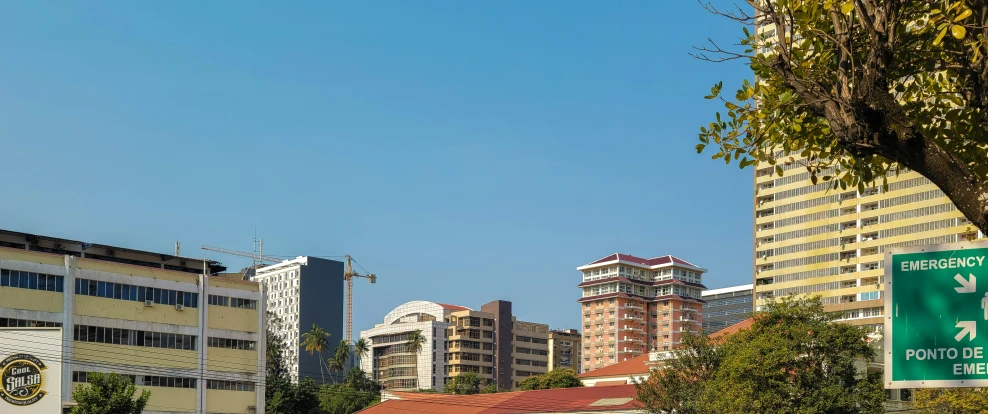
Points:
[(609, 383), (453, 307), (563, 400), (655, 261), (731, 330), (633, 366)]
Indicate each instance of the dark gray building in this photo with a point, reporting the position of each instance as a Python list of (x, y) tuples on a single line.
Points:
[(726, 307), (298, 293)]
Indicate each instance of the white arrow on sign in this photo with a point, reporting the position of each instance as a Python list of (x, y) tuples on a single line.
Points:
[(967, 327), (967, 286)]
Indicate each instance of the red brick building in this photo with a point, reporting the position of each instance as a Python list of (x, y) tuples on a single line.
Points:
[(631, 306)]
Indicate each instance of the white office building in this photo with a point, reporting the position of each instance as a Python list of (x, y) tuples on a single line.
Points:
[(298, 293)]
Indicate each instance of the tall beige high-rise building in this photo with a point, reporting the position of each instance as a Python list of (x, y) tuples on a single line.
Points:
[(812, 240)]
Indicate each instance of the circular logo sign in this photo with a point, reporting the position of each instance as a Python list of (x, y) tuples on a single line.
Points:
[(22, 379)]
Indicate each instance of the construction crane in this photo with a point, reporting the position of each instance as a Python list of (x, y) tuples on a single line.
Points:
[(348, 275)]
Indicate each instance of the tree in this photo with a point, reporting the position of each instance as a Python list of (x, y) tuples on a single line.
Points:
[(951, 400), (108, 394), (557, 378), (316, 342), (861, 90), (274, 350), (466, 383), (341, 357), (355, 393), (414, 345), (361, 347), (793, 359), (285, 397)]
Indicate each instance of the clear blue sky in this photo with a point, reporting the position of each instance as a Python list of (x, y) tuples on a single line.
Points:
[(463, 151)]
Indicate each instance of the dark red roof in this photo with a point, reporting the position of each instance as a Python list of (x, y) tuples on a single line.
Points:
[(453, 307), (562, 400), (655, 261)]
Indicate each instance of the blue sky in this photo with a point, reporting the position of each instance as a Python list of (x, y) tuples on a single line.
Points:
[(463, 151)]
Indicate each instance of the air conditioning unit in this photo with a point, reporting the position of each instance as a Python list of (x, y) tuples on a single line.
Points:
[(148, 303), (179, 306)]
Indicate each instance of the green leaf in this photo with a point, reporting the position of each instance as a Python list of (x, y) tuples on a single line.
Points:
[(847, 7), (778, 170), (699, 148)]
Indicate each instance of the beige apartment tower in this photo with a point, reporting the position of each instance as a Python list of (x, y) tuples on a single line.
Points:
[(813, 240), (564, 349)]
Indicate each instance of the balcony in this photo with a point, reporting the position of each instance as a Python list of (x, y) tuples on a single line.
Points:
[(632, 318), (688, 309), (636, 307), (632, 339), (631, 329)]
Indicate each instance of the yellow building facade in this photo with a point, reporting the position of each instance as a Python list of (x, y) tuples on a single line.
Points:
[(813, 240), (173, 325)]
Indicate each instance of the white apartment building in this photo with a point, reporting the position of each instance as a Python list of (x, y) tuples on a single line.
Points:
[(299, 293)]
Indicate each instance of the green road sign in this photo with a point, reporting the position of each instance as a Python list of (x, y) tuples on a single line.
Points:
[(936, 316)]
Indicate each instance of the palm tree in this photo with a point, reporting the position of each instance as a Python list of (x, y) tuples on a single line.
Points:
[(361, 347), (414, 344), (316, 342), (341, 357)]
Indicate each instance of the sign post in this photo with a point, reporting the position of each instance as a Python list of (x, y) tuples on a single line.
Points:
[(936, 316)]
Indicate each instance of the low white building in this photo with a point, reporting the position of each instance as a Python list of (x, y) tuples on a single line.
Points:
[(391, 364)]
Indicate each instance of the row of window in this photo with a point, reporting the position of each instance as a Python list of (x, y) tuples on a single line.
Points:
[(146, 380), (383, 339), (230, 385), (521, 350), (532, 363), (919, 212), (863, 313), (111, 290), (803, 261), (914, 182), (800, 205), (24, 323), (791, 221), (398, 372), (133, 337), (806, 289), (950, 238), (521, 338), (800, 191), (31, 280), (806, 232), (240, 344), (231, 302), (917, 228), (796, 248), (911, 198)]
